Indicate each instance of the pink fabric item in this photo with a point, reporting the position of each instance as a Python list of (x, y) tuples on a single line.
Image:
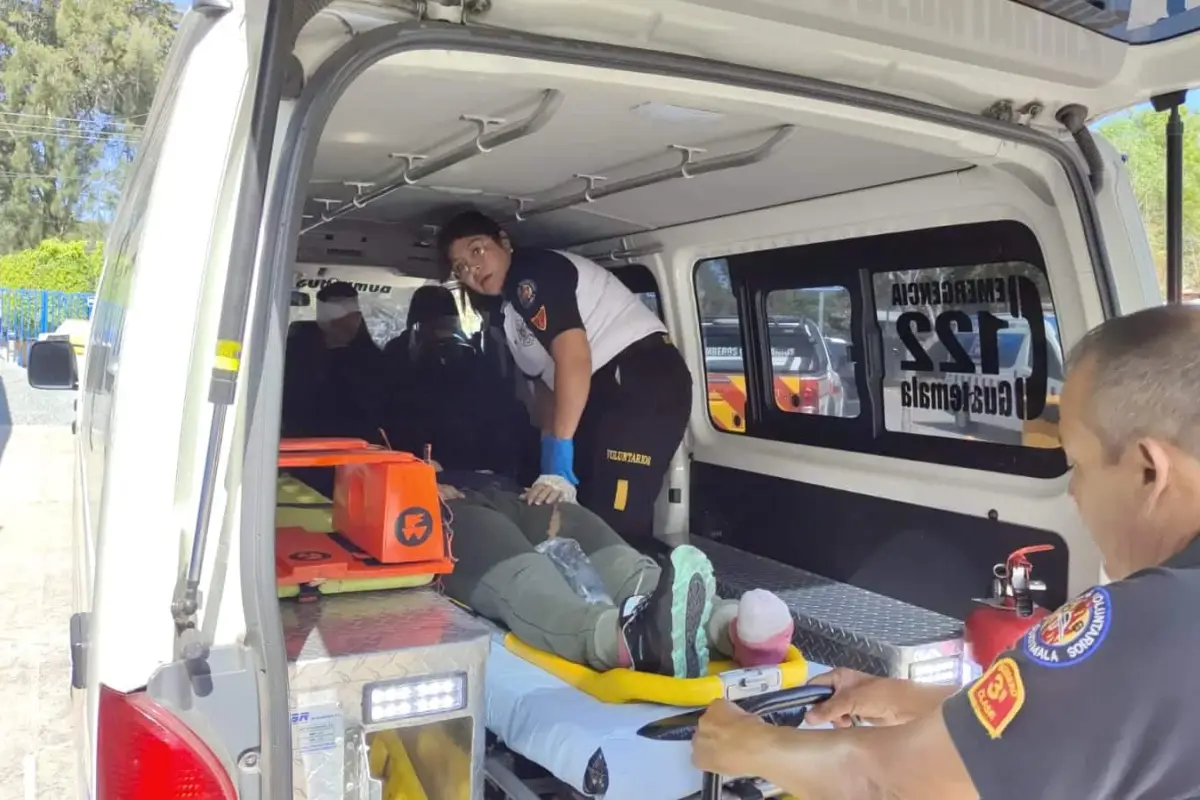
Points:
[(624, 660), (762, 630)]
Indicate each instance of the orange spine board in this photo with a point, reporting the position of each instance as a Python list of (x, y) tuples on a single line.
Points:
[(385, 502)]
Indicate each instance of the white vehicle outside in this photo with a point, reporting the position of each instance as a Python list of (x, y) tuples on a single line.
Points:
[(810, 145), (1016, 363), (965, 402)]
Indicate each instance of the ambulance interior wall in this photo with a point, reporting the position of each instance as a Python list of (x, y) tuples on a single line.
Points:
[(928, 557)]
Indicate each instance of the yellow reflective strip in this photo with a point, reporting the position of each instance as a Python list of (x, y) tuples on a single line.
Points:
[(622, 494), (229, 355)]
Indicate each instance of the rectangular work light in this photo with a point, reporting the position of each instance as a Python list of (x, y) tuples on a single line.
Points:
[(937, 670), (387, 701)]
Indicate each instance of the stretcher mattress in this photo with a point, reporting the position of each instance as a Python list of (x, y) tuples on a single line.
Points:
[(589, 745)]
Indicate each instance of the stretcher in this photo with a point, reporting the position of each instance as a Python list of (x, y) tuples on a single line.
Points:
[(613, 735), (601, 749), (614, 751)]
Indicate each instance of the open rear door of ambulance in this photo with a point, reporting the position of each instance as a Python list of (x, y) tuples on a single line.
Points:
[(1054, 65), (197, 713), (969, 55)]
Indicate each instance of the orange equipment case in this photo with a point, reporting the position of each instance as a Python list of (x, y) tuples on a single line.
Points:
[(386, 514)]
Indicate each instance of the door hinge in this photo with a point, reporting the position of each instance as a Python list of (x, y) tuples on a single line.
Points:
[(455, 12), (1008, 111)]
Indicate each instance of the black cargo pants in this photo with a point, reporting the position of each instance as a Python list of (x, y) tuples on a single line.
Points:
[(635, 418)]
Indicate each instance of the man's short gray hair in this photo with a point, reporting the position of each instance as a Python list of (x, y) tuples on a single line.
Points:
[(1145, 378)]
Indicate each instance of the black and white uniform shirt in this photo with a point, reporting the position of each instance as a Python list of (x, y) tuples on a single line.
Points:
[(548, 292)]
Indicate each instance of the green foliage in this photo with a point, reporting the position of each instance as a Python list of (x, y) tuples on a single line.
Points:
[(76, 81), (54, 265), (1141, 137)]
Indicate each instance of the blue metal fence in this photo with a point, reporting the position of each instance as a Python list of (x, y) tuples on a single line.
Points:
[(27, 313)]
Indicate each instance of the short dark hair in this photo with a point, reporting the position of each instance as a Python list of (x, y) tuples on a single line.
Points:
[(429, 302), (1145, 377), (463, 226), (337, 290)]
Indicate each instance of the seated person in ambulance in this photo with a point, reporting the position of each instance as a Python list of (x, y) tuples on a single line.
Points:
[(439, 383), (331, 377), (661, 619), (433, 319)]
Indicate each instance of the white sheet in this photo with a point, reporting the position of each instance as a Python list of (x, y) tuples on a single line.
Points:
[(560, 728)]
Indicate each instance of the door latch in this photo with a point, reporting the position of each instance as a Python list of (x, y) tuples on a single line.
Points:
[(79, 648)]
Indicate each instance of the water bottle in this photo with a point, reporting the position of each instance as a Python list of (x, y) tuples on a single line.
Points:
[(576, 568)]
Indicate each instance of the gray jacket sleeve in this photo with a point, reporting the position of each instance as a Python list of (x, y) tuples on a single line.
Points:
[(1098, 701)]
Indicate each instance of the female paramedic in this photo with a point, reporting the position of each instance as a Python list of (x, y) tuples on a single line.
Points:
[(612, 393)]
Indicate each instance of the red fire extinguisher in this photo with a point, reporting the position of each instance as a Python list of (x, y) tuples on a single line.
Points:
[(1004, 617)]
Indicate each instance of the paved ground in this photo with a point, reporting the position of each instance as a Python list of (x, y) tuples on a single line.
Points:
[(36, 724)]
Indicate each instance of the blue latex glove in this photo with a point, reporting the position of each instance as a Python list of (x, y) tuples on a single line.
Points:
[(558, 458)]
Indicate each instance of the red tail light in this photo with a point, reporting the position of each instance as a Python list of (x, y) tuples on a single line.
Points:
[(810, 397), (144, 752)]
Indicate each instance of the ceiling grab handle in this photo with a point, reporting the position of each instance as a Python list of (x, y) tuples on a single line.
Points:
[(687, 168), (625, 254), (486, 139)]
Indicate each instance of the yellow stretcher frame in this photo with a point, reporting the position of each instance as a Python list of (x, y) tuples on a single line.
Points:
[(389, 762), (431, 752), (628, 686), (297, 505)]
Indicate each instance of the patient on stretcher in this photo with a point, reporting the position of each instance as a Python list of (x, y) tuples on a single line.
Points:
[(664, 618)]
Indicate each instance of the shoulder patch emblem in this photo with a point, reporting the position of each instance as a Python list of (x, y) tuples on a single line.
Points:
[(1072, 633), (539, 319), (526, 292), (997, 697), (524, 335)]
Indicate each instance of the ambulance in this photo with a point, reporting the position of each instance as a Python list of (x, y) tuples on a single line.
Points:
[(804, 377), (860, 147)]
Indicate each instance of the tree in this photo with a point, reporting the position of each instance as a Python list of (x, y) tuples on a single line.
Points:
[(76, 81), (54, 265), (1141, 138)]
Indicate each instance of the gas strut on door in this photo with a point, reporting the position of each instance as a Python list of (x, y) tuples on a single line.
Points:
[(1163, 102)]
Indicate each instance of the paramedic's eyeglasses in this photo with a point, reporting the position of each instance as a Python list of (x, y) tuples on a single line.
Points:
[(472, 261)]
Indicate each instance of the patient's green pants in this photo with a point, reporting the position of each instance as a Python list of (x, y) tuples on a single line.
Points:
[(500, 575)]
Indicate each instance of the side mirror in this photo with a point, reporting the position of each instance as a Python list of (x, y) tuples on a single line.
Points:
[(52, 365), (300, 299)]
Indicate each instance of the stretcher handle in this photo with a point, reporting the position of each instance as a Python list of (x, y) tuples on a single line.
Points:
[(765, 705), (334, 458), (321, 443), (770, 706)]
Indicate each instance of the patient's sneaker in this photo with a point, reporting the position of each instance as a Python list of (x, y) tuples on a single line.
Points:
[(664, 632), (762, 630)]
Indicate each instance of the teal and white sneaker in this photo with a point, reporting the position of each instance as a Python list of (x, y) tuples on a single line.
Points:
[(666, 631)]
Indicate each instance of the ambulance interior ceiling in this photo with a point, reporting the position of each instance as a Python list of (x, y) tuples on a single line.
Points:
[(593, 122)]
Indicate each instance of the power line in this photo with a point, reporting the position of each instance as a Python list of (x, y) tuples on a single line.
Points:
[(36, 132), (120, 121), (47, 176)]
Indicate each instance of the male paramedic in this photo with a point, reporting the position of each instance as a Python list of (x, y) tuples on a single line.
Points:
[(613, 394), (1099, 701)]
